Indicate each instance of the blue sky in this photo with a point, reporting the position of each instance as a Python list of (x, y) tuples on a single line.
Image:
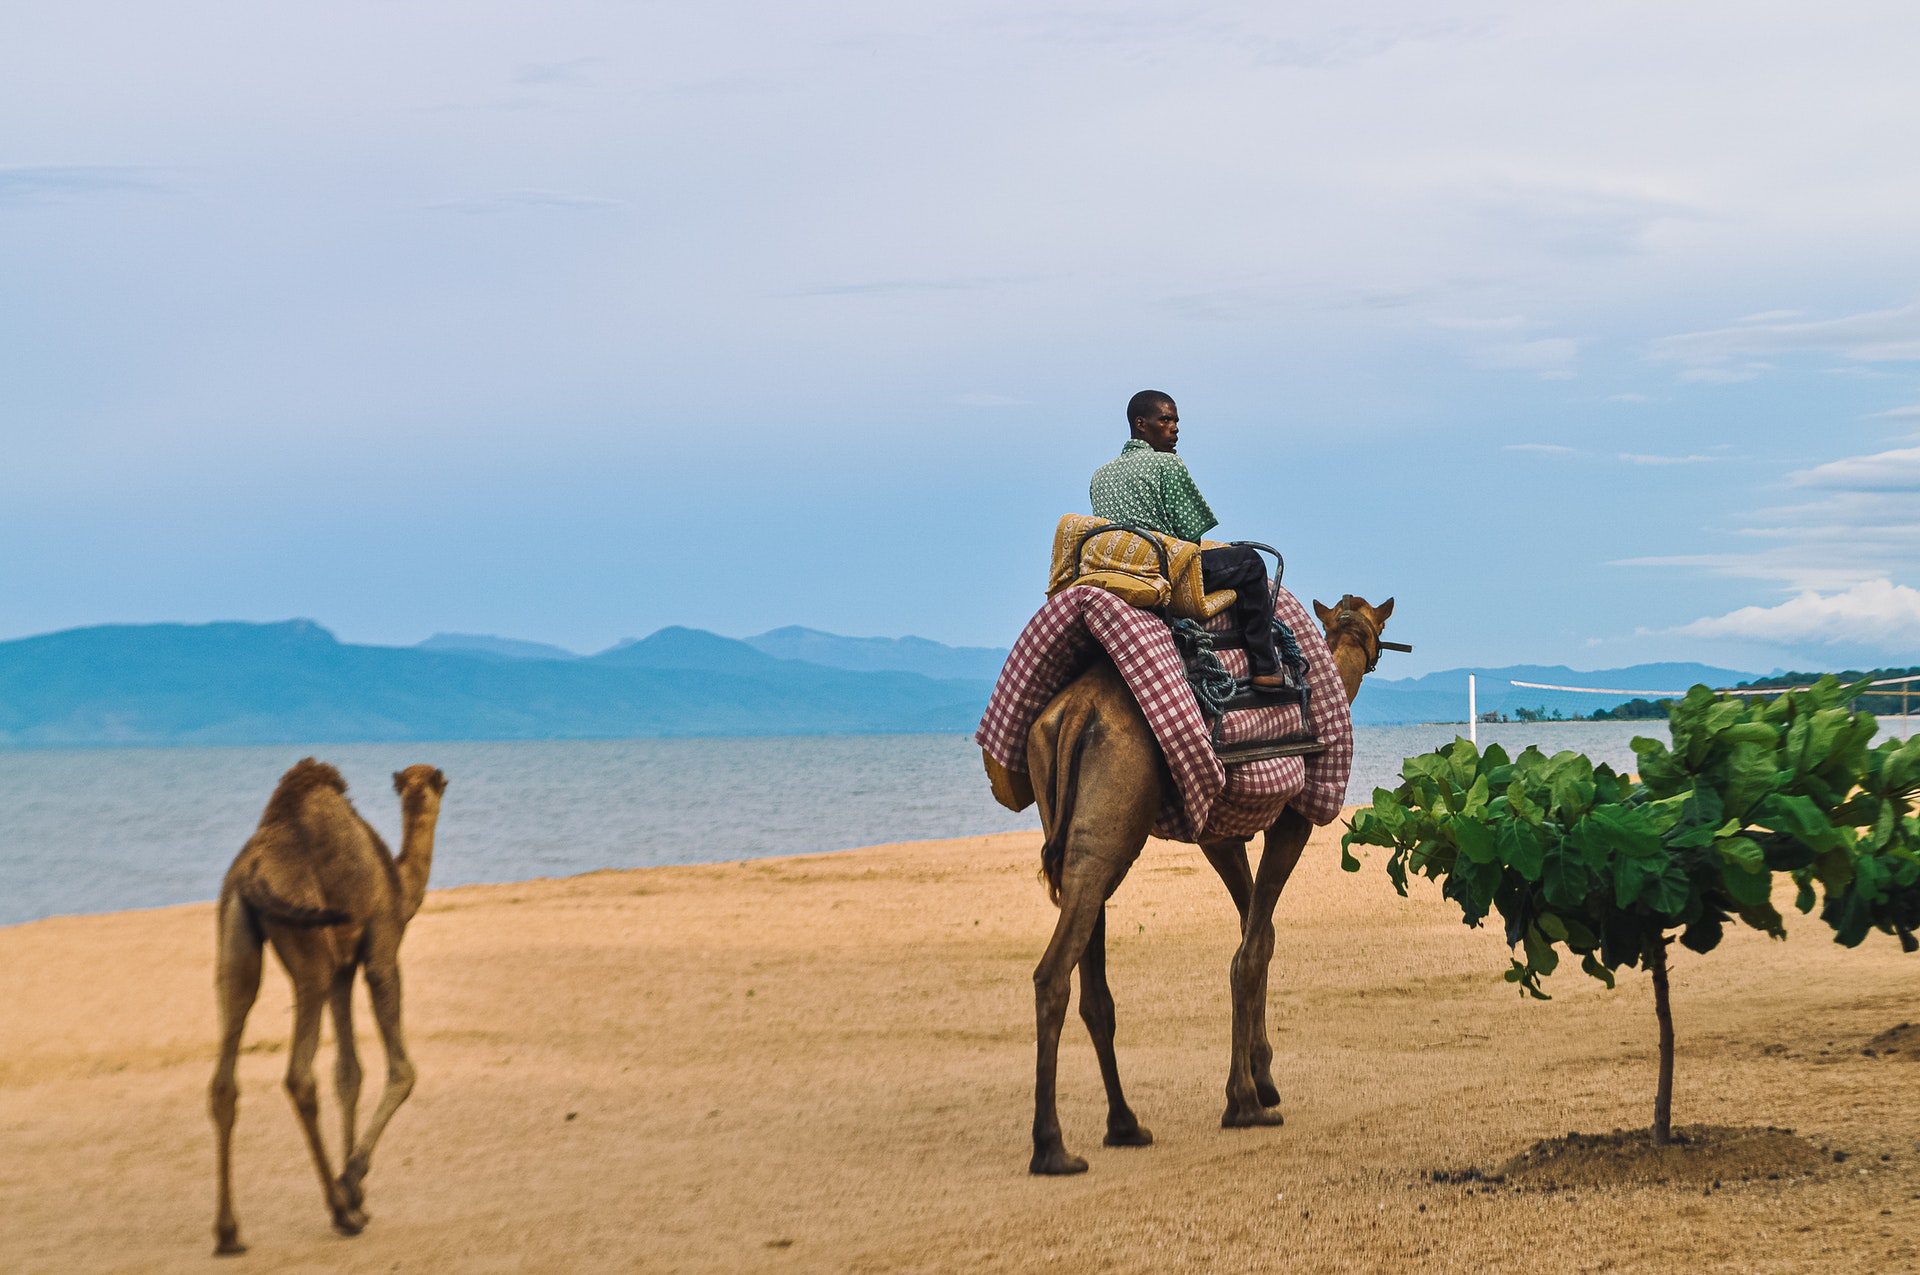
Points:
[(1590, 333)]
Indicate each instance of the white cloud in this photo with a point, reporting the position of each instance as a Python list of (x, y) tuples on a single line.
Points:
[(1910, 412), (1628, 398), (1894, 471), (1641, 458), (1504, 323), (1834, 541), (569, 71), (1876, 613), (1547, 356), (1872, 336), (1725, 374), (1541, 449), (543, 199), (47, 182)]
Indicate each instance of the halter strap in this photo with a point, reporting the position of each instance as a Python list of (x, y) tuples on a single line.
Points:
[(1348, 618)]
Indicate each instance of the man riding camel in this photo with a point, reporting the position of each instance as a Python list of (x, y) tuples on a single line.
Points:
[(1148, 486)]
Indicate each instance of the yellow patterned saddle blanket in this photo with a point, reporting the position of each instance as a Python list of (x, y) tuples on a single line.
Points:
[(1144, 568)]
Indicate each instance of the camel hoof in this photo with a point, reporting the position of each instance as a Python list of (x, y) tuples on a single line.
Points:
[(229, 1246), (1267, 1092), (351, 1189), (1056, 1163), (1138, 1136), (1256, 1118), (349, 1221)]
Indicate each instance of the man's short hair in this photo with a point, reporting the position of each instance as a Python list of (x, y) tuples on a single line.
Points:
[(1144, 403)]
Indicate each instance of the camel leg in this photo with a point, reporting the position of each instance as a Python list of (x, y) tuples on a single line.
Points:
[(1083, 898), (1229, 860), (1284, 842), (346, 1069), (236, 984), (383, 981), (1096, 1010), (309, 1000)]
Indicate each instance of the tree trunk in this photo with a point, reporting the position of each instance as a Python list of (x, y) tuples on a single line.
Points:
[(1663, 1097)]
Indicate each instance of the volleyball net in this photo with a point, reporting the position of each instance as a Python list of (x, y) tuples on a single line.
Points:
[(1502, 699)]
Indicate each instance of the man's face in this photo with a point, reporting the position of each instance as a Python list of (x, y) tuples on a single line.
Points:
[(1160, 427)]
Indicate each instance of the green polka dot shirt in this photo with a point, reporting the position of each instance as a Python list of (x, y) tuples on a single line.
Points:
[(1153, 490)]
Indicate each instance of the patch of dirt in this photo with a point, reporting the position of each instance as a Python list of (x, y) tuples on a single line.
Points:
[(1706, 1156), (1896, 1042)]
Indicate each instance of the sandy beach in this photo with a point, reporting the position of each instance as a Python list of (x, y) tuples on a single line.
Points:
[(825, 1063)]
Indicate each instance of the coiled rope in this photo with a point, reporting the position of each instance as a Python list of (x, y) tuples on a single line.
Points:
[(1213, 686)]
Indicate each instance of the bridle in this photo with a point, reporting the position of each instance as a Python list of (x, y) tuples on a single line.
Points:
[(1346, 618)]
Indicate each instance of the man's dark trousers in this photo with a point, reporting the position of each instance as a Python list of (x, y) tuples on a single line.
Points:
[(1245, 571)]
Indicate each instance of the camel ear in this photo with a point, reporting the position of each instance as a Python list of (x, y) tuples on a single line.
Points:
[(438, 780), (1322, 610), (1384, 610), (399, 782)]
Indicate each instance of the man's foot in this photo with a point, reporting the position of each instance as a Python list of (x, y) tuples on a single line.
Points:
[(1269, 681)]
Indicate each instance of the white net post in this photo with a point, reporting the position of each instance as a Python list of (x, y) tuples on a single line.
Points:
[(1473, 712)]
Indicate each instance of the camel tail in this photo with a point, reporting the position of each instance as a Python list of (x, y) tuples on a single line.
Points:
[(267, 905), (1066, 790)]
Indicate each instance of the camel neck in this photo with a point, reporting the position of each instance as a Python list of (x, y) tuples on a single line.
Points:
[(416, 854), (1351, 659)]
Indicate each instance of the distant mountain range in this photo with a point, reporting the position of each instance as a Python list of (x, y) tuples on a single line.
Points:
[(294, 682), (810, 646)]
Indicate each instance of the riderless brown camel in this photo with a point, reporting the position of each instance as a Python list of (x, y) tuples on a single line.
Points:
[(1094, 737), (317, 883)]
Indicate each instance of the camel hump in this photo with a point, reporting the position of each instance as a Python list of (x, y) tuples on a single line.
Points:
[(287, 891), (305, 776)]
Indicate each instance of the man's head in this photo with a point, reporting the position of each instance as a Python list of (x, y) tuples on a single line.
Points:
[(1154, 420)]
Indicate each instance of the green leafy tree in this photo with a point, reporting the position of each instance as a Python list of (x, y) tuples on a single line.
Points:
[(1577, 857)]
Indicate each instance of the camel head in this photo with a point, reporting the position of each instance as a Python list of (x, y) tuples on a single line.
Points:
[(419, 784), (1355, 623)]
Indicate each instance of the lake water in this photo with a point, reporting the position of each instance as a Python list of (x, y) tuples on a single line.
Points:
[(104, 829)]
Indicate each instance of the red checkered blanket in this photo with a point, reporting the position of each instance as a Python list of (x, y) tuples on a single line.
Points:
[(1210, 801)]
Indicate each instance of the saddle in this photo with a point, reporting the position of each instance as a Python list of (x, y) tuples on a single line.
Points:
[(1143, 568), (1156, 572)]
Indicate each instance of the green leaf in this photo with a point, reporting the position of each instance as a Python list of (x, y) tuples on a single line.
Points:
[(1764, 917), (1570, 779), (1521, 802), (1541, 958), (1743, 853), (1630, 876), (1704, 934), (1743, 872), (1473, 836), (1802, 819), (1612, 832), (1834, 870), (1522, 846), (1659, 769), (1670, 891), (1564, 879)]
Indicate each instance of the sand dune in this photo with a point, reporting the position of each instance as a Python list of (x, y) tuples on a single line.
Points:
[(825, 1063)]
